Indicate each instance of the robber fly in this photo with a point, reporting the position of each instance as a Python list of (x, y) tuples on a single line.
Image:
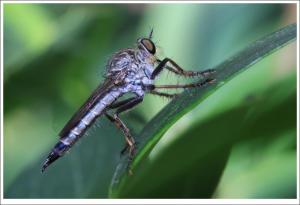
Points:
[(131, 70)]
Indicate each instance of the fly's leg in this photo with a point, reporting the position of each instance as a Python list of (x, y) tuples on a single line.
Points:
[(190, 85), (172, 96), (122, 107), (130, 142), (125, 107), (175, 68), (167, 95), (120, 103)]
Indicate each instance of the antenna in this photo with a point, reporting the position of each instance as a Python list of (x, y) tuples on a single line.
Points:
[(151, 32)]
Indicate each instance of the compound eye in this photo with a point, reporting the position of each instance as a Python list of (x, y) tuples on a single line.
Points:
[(149, 45)]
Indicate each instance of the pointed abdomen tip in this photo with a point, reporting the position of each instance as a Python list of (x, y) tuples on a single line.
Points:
[(50, 159)]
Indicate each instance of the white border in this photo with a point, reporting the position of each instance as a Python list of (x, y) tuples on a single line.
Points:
[(148, 201), (151, 2)]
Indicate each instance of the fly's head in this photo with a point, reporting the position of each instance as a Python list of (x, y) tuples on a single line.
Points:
[(146, 50), (147, 45)]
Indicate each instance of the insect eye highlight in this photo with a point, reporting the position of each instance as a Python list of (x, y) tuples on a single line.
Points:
[(149, 45)]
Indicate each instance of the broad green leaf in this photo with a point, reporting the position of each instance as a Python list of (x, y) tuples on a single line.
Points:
[(161, 172), (251, 163)]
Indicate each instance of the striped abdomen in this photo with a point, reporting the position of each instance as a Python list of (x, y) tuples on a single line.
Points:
[(88, 119), (79, 129)]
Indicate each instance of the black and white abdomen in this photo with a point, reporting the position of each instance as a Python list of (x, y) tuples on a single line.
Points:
[(90, 117), (79, 129)]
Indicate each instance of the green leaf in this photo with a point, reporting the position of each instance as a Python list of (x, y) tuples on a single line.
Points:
[(157, 176), (250, 165)]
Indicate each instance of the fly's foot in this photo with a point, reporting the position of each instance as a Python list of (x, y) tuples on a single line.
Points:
[(211, 81), (127, 149), (132, 153), (206, 73)]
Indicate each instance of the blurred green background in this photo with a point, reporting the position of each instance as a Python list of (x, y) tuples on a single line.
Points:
[(55, 55)]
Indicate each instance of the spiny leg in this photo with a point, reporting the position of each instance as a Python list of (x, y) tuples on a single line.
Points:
[(203, 73), (125, 107), (167, 95), (116, 105), (152, 88), (190, 85), (128, 105), (118, 122), (120, 103), (178, 70)]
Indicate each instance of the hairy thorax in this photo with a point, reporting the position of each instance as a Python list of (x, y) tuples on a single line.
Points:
[(137, 67)]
